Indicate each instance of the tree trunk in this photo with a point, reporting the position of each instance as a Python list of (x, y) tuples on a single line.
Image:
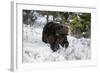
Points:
[(47, 17)]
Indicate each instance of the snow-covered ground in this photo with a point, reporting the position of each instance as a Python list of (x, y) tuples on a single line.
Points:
[(34, 50)]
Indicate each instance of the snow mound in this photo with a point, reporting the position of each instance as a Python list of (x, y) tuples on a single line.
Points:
[(34, 50)]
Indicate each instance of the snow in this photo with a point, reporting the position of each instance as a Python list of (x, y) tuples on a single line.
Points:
[(40, 20), (34, 50)]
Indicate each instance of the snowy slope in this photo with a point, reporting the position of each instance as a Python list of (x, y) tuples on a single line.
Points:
[(34, 50)]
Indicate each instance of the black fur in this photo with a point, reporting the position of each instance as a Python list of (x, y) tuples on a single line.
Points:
[(55, 34)]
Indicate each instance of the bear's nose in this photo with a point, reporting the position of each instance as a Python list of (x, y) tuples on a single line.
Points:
[(54, 50)]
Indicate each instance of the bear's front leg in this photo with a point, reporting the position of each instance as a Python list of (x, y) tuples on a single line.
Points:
[(65, 43)]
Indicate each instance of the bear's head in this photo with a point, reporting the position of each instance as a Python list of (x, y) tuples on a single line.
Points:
[(61, 31)]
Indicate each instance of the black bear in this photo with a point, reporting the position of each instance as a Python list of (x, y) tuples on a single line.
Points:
[(55, 34)]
